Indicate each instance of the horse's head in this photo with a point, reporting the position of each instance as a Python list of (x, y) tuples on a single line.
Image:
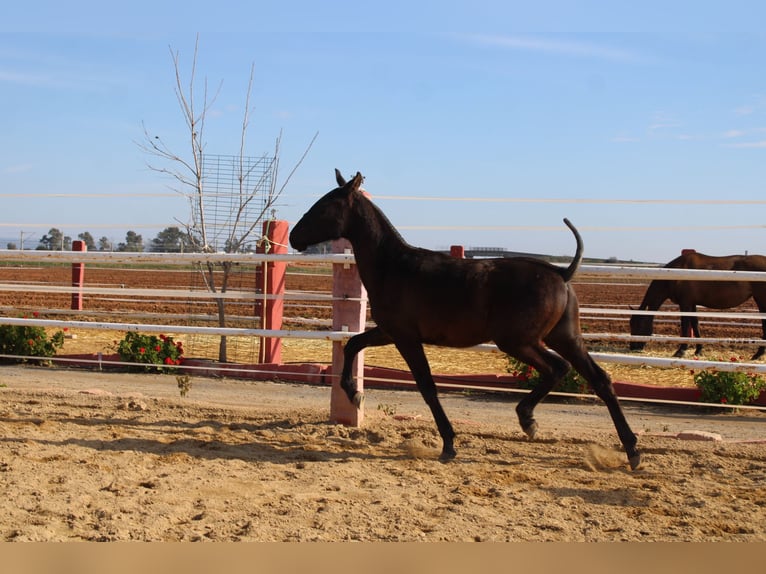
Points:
[(328, 218), (640, 325)]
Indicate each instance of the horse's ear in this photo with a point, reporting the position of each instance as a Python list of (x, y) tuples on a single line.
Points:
[(356, 183), (339, 178)]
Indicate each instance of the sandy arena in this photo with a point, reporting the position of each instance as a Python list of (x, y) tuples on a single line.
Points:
[(116, 457)]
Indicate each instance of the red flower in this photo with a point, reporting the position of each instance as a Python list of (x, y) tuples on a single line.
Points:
[(31, 342), (158, 348), (723, 400), (142, 350), (168, 361), (35, 314), (162, 337)]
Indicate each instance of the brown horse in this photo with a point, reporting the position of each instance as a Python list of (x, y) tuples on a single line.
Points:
[(419, 297), (712, 294)]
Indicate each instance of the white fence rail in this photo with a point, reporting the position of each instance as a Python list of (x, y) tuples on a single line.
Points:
[(170, 259)]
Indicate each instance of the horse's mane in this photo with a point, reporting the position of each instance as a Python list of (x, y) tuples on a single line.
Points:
[(385, 222)]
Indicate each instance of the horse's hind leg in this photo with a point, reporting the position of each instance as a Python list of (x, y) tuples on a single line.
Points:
[(372, 338), (602, 385), (761, 350), (551, 368)]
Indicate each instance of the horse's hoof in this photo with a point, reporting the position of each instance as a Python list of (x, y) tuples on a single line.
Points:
[(447, 455), (635, 461), (531, 430), (358, 400)]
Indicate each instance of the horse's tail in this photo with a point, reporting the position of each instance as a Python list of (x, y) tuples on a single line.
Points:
[(569, 272)]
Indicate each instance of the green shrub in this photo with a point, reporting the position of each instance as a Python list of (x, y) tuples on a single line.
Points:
[(28, 341), (729, 387), (160, 354), (529, 378)]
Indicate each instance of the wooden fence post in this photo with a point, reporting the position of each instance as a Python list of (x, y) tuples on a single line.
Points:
[(349, 313), (78, 275), (270, 277)]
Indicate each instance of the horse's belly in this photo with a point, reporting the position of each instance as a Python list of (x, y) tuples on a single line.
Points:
[(454, 331)]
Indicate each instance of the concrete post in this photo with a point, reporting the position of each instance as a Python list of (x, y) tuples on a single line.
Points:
[(78, 275), (349, 313), (270, 278), (457, 251)]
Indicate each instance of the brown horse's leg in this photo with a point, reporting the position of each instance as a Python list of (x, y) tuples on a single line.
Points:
[(415, 357), (551, 368), (696, 333), (761, 350), (573, 349), (759, 296), (372, 338), (602, 385)]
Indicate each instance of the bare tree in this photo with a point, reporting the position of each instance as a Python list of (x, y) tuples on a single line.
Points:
[(188, 173)]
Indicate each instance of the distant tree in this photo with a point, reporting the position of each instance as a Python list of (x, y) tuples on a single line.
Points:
[(11, 245), (104, 244), (133, 243), (55, 240), (87, 238), (171, 240)]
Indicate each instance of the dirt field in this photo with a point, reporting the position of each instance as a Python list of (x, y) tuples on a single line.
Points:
[(104, 456)]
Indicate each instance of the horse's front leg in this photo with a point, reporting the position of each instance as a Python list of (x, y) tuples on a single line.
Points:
[(372, 338), (695, 328), (412, 352)]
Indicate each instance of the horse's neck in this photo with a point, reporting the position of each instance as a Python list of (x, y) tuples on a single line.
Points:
[(374, 240), (655, 296)]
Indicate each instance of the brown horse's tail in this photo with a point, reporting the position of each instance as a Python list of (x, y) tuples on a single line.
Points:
[(569, 272)]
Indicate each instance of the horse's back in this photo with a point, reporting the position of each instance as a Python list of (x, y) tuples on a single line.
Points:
[(752, 263), (463, 302), (695, 260)]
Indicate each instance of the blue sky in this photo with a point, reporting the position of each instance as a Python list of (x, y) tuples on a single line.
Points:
[(634, 121)]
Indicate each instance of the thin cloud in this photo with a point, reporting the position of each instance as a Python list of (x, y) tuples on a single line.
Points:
[(661, 121), (623, 138), (33, 80), (19, 168), (758, 103), (560, 47), (744, 110), (747, 145), (56, 81)]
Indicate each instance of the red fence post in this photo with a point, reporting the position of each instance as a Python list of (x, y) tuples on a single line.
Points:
[(349, 313), (270, 277), (457, 251), (78, 274)]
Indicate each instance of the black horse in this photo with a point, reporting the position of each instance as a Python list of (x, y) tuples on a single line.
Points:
[(419, 297), (688, 294)]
